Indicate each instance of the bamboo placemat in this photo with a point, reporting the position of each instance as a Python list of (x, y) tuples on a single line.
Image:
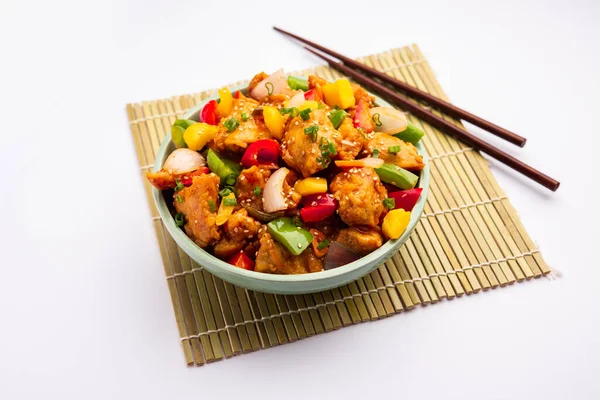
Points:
[(469, 239)]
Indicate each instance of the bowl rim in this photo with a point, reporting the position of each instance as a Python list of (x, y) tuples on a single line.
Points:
[(188, 245)]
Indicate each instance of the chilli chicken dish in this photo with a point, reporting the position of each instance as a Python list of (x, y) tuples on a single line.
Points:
[(296, 176)]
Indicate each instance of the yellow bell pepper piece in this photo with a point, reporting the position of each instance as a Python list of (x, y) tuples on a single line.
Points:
[(395, 223), (274, 121), (339, 94), (197, 135), (224, 211), (311, 186), (312, 104), (225, 105)]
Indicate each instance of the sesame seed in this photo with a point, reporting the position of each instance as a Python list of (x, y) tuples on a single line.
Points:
[(299, 245), (195, 221), (314, 203), (319, 197), (246, 231), (296, 123)]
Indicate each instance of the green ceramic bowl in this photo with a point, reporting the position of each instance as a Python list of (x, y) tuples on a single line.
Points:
[(283, 284)]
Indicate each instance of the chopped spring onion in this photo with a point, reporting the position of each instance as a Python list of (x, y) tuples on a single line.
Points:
[(393, 149), (229, 201), (323, 244), (231, 124), (389, 203), (180, 219), (225, 192), (270, 87), (375, 153), (257, 190), (327, 151), (377, 119), (179, 198), (212, 206), (312, 132), (292, 111), (305, 114), (179, 185), (245, 116)]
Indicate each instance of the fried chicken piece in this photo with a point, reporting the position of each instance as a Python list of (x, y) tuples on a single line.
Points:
[(360, 194), (310, 153), (273, 258), (362, 240), (407, 157), (196, 204)]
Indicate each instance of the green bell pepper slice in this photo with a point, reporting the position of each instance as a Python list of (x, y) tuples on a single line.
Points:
[(295, 239), (336, 117), (296, 83), (394, 175), (225, 169), (411, 134), (177, 130)]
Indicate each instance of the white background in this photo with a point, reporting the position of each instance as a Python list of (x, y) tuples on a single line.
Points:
[(84, 309)]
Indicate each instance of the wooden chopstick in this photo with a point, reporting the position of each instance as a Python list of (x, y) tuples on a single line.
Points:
[(442, 124), (444, 106)]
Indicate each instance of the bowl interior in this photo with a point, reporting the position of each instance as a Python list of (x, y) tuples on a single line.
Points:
[(263, 280)]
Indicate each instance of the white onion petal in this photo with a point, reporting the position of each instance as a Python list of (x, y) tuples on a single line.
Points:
[(279, 82), (389, 120), (296, 100), (183, 160), (273, 197), (373, 162), (339, 255)]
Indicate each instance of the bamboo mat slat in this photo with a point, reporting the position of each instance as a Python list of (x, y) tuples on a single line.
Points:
[(469, 239)]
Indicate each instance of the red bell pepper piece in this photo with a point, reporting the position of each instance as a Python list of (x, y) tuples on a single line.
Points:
[(239, 95), (310, 95), (362, 118), (263, 152), (317, 207), (241, 260), (209, 113), (406, 199), (187, 179)]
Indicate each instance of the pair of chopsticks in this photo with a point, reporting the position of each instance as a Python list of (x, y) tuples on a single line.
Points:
[(384, 85)]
